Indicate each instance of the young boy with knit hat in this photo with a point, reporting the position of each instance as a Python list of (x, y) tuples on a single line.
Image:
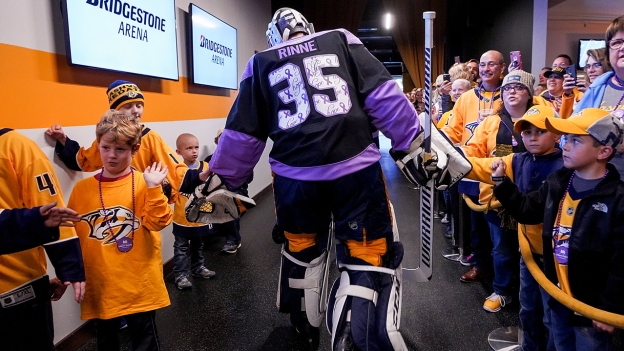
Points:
[(122, 212), (581, 207), (126, 97), (528, 170)]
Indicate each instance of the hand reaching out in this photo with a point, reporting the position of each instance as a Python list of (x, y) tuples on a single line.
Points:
[(154, 175), (58, 216), (498, 168), (57, 133), (58, 289)]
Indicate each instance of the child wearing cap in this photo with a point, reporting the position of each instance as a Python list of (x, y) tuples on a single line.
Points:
[(495, 137), (581, 207), (126, 97), (528, 170)]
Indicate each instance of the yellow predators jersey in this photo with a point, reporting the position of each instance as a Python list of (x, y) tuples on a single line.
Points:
[(464, 118), (121, 283), (482, 172), (182, 227), (27, 179), (153, 149), (561, 241)]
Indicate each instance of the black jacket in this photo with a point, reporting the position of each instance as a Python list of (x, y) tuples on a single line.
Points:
[(596, 252)]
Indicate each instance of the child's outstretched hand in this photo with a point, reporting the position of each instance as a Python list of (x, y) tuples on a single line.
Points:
[(498, 168), (154, 175), (57, 133)]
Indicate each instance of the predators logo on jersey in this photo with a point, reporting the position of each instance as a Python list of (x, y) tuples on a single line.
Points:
[(120, 219), (471, 127)]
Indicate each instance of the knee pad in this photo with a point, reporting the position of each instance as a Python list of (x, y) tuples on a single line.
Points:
[(303, 283), (364, 307)]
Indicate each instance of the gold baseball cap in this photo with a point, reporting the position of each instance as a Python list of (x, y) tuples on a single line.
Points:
[(536, 116)]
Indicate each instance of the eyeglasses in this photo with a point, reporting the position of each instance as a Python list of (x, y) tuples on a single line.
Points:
[(489, 64), (594, 65), (517, 88), (615, 44)]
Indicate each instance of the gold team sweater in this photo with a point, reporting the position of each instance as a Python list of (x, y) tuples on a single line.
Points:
[(463, 120), (121, 283)]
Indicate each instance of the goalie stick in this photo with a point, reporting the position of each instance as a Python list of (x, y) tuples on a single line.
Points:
[(423, 272)]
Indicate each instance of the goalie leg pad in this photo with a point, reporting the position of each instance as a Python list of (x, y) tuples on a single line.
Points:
[(303, 284), (364, 307)]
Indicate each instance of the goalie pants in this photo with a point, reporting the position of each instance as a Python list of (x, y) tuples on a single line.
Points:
[(358, 202), (26, 318)]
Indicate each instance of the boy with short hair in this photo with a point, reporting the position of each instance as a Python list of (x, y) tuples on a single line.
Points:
[(122, 211), (528, 170), (188, 236), (581, 207)]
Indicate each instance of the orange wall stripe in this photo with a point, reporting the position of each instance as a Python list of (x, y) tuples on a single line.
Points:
[(39, 89)]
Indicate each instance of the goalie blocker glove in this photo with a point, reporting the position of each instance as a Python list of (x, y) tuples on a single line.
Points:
[(446, 165), (212, 202)]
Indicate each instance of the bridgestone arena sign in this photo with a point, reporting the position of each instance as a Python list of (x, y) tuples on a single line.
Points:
[(135, 36)]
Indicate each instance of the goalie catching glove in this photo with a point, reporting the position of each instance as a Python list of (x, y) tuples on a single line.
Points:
[(446, 165), (212, 202)]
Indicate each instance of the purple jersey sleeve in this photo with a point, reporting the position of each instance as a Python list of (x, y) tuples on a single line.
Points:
[(393, 114), (235, 157)]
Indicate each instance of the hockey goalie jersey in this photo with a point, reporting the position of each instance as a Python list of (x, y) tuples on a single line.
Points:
[(27, 180), (121, 282), (153, 149), (316, 97)]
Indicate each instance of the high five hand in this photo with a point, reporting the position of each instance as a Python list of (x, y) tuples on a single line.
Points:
[(154, 175)]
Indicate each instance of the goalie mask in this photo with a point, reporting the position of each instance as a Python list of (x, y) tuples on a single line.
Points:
[(212, 202), (285, 23)]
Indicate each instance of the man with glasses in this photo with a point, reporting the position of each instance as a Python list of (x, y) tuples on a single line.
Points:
[(470, 109)]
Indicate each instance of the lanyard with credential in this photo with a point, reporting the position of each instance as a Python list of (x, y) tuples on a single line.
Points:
[(616, 112), (481, 91)]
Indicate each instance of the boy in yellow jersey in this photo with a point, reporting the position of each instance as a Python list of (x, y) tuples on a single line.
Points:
[(581, 207), (27, 180), (528, 170), (122, 212), (126, 97), (188, 236)]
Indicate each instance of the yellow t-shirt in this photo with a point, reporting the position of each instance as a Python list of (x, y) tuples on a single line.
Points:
[(180, 199), (27, 179), (121, 283)]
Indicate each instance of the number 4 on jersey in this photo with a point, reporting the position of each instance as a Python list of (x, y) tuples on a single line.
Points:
[(44, 182)]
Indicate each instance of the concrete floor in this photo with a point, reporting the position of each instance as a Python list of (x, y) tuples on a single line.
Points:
[(236, 309)]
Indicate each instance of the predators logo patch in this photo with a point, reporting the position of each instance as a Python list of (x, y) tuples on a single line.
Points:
[(120, 219)]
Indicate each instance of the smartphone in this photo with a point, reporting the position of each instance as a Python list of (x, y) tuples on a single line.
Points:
[(571, 70), (515, 60), (457, 59), (446, 77)]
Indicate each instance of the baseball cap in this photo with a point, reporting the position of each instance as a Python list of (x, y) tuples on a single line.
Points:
[(556, 71), (536, 116), (519, 76), (603, 126)]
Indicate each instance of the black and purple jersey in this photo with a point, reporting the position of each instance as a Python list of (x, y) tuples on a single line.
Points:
[(318, 98)]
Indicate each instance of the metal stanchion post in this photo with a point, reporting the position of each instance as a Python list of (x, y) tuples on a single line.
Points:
[(455, 252), (504, 339)]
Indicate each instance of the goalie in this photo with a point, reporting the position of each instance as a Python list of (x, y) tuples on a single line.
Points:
[(316, 95)]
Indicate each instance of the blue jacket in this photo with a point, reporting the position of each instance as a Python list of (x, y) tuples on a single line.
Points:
[(530, 171), (594, 94)]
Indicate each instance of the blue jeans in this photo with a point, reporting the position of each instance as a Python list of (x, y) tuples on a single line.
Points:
[(480, 239), (504, 255), (570, 336), (534, 323), (181, 247)]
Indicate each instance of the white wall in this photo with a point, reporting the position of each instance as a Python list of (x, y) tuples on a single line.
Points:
[(540, 14), (34, 24)]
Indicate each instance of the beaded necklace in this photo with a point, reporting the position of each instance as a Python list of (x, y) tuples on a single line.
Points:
[(556, 235), (482, 97), (124, 244), (555, 107), (616, 112)]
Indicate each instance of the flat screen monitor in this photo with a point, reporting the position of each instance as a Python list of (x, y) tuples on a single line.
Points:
[(133, 36), (213, 50), (586, 44)]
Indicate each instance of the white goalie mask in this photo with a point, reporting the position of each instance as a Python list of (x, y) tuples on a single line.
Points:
[(285, 23)]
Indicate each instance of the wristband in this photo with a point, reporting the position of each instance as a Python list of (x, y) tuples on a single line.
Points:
[(498, 179)]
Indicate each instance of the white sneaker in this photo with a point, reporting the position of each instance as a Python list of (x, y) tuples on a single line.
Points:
[(445, 219)]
